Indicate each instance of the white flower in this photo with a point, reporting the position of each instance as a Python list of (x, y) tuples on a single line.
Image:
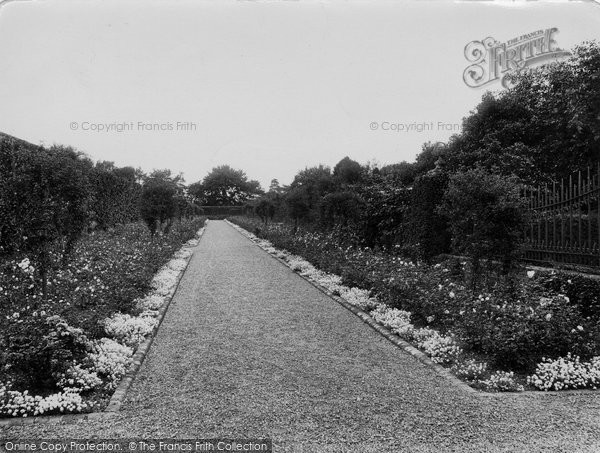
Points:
[(130, 330), (548, 316), (358, 297), (441, 349), (503, 381), (530, 274), (566, 373), (111, 359), (80, 378)]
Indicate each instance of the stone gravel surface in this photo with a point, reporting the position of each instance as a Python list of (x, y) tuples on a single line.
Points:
[(250, 349)]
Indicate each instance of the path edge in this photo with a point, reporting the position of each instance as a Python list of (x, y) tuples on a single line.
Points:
[(413, 351), (118, 397)]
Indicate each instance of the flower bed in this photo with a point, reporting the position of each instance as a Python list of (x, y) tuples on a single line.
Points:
[(84, 364), (491, 339)]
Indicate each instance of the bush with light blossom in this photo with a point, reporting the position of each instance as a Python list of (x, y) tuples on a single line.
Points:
[(129, 330), (566, 373)]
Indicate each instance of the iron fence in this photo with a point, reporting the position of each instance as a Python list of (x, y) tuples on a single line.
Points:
[(564, 226)]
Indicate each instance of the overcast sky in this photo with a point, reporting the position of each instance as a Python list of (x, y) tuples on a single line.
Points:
[(268, 87)]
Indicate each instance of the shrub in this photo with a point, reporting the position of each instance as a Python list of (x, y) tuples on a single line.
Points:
[(502, 381), (470, 369), (426, 230), (37, 349), (265, 209), (566, 373), (340, 209), (441, 349), (582, 292), (115, 195), (157, 204), (110, 271), (383, 213), (44, 197), (513, 327), (486, 215), (517, 333)]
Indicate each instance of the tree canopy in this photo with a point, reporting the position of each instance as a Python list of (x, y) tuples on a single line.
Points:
[(225, 186), (545, 127)]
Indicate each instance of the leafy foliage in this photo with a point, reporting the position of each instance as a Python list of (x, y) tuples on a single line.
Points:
[(514, 328), (44, 198), (486, 215), (157, 203), (225, 186), (426, 233), (116, 195), (265, 209), (348, 171), (109, 271), (543, 128)]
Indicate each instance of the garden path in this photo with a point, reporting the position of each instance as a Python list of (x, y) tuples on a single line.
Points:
[(250, 349)]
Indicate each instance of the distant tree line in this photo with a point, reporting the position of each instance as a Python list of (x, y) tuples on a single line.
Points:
[(465, 195)]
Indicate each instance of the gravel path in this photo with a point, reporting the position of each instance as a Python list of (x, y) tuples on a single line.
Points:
[(250, 349)]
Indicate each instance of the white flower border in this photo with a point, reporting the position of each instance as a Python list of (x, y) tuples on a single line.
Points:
[(439, 348), (109, 357)]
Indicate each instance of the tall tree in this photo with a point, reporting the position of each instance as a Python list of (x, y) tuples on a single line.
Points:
[(275, 187), (348, 171), (225, 186), (545, 127)]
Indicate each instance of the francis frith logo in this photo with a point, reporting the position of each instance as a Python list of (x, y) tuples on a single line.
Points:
[(492, 60)]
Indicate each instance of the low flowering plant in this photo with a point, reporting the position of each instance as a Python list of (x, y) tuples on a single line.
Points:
[(513, 326), (164, 281), (129, 330), (470, 369), (397, 320), (150, 302), (441, 349), (566, 373), (111, 360), (360, 298), (80, 378), (21, 404), (502, 381)]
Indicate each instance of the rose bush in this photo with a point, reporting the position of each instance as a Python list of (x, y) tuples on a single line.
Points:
[(56, 344), (514, 326)]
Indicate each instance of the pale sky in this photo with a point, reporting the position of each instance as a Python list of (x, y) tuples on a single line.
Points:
[(271, 87)]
